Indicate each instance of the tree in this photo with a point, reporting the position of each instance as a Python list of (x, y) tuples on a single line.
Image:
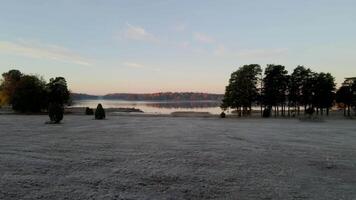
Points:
[(58, 90), (242, 89), (353, 89), (275, 85), (55, 112), (299, 92), (99, 112), (29, 94), (58, 95), (344, 95), (8, 85), (323, 92)]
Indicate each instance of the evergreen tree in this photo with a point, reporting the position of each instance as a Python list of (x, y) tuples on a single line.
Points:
[(275, 85), (242, 89), (58, 95)]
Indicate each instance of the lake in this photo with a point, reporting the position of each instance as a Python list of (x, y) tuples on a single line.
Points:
[(155, 107)]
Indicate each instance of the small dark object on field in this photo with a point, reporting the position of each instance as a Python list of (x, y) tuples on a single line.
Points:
[(267, 112), (99, 112), (309, 111), (55, 112), (222, 115), (89, 111)]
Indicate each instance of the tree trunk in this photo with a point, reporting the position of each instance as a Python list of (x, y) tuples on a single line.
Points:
[(305, 108), (288, 110), (283, 109), (277, 110), (327, 111)]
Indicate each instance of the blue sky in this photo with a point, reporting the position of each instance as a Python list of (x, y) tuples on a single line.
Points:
[(173, 45)]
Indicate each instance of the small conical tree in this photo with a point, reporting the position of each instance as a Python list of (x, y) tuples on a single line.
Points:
[(55, 112), (58, 95), (99, 112)]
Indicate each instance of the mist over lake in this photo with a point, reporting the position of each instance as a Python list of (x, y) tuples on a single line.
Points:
[(159, 107)]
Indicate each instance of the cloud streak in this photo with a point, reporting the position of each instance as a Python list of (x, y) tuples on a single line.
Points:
[(139, 66), (42, 51), (138, 33)]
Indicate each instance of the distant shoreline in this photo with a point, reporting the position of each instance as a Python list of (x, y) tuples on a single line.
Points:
[(80, 111)]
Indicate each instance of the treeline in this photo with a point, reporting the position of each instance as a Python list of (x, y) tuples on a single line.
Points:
[(165, 96), (31, 93), (82, 96), (283, 94)]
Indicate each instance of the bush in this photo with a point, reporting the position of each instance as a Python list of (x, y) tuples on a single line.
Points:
[(267, 112), (55, 112), (222, 115), (99, 112), (89, 111)]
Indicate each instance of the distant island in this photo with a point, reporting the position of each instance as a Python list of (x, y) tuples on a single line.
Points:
[(161, 96)]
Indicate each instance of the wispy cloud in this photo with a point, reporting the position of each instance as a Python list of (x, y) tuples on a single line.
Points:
[(138, 33), (139, 66), (203, 38), (42, 51), (133, 65)]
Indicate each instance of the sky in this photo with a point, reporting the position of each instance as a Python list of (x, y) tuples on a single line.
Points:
[(144, 46)]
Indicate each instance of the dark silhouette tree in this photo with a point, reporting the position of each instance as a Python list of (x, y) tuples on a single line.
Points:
[(344, 95), (58, 95), (306, 99), (9, 84), (353, 89), (299, 92), (275, 85), (99, 112), (323, 92), (55, 112), (242, 90), (29, 94)]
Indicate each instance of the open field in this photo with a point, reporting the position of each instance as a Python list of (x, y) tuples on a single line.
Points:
[(176, 158)]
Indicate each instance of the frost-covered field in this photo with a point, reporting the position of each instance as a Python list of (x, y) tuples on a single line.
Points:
[(176, 158)]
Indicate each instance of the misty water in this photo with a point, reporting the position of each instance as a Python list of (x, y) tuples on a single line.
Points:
[(155, 107)]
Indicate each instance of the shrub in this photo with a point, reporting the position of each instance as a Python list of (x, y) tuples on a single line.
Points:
[(89, 111), (55, 112), (267, 112), (222, 115), (99, 112)]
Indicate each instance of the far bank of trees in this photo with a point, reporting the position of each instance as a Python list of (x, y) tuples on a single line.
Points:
[(31, 93), (279, 93)]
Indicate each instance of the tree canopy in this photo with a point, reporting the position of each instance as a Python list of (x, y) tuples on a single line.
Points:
[(30, 93), (242, 90), (279, 90)]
